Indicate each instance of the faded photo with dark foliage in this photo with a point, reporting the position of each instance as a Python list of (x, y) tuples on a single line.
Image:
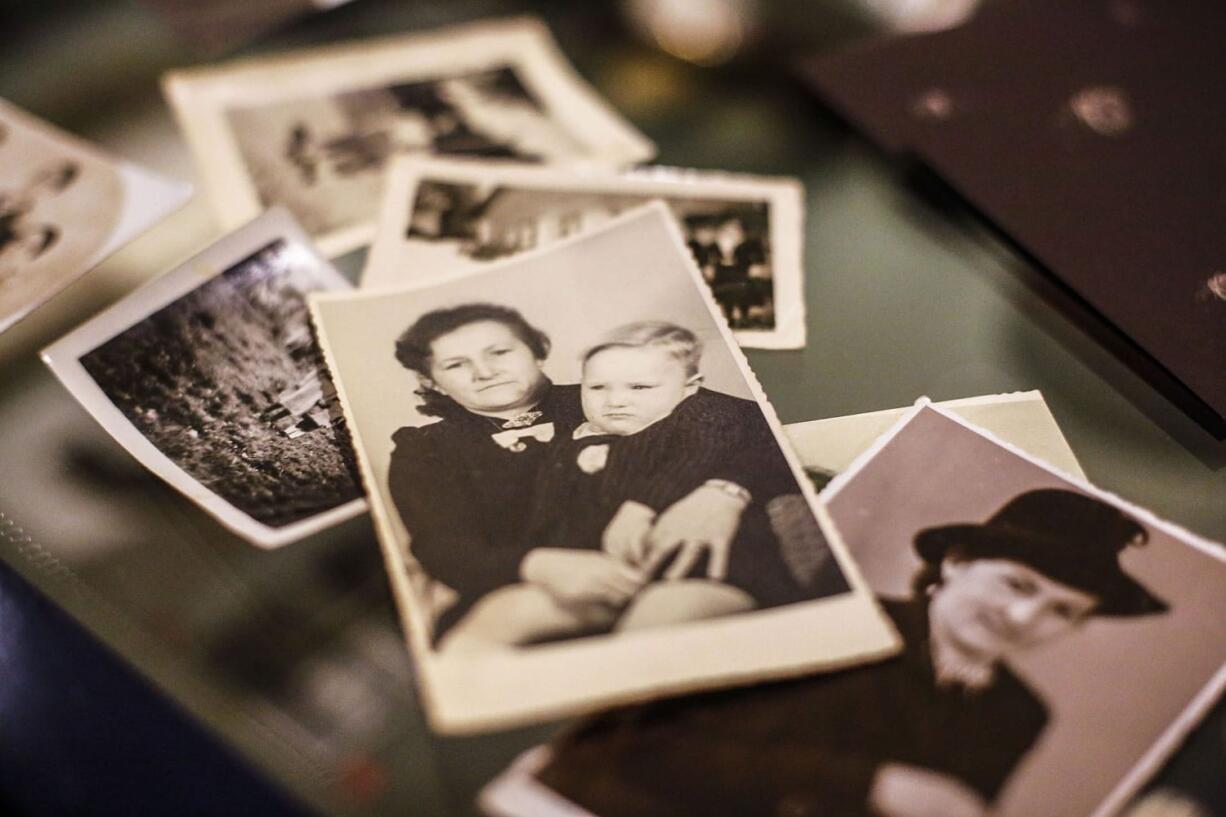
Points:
[(228, 383)]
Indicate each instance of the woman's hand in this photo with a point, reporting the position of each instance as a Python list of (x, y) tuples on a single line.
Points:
[(625, 537), (578, 577), (900, 790), (706, 519)]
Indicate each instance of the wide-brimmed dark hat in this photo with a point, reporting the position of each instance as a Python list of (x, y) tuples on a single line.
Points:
[(1070, 537)]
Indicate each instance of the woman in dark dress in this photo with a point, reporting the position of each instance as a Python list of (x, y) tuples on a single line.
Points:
[(935, 732), (737, 264), (464, 485)]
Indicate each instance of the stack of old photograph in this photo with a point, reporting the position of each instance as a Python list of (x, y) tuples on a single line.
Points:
[(586, 503)]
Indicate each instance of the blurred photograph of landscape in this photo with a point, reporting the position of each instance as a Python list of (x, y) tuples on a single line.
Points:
[(228, 382)]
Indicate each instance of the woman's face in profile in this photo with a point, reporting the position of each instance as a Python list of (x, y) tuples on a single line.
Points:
[(989, 608), (485, 367)]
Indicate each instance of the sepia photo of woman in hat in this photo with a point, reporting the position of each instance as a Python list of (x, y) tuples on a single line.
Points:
[(934, 732)]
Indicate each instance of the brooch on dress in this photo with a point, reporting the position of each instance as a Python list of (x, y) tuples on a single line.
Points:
[(593, 458), (523, 420), (512, 439)]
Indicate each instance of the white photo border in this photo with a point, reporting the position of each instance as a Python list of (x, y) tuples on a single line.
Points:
[(1166, 744), (64, 359), (392, 252), (467, 694), (201, 97), (834, 443), (148, 198), (516, 792)]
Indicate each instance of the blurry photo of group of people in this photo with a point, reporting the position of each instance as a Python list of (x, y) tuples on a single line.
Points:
[(730, 240), (23, 236), (316, 132), (64, 206), (732, 250), (744, 232)]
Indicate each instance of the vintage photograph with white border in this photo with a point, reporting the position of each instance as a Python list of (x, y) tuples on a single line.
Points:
[(210, 376), (313, 130), (1073, 717), (473, 483), (745, 231), (65, 205), (828, 447)]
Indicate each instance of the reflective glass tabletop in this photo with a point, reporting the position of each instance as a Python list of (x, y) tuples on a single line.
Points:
[(294, 656)]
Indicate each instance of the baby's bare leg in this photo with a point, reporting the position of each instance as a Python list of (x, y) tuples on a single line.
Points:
[(522, 614), (675, 602)]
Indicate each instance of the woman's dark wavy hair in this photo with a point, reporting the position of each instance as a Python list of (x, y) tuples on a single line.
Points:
[(414, 353), (928, 578)]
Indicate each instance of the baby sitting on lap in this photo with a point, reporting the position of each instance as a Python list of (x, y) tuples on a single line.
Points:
[(652, 436)]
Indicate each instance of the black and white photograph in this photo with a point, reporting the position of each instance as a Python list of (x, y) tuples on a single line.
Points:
[(211, 377), (65, 206), (583, 495), (1058, 644), (745, 232), (314, 131)]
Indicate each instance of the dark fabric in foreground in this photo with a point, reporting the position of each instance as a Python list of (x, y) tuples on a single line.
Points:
[(807, 747)]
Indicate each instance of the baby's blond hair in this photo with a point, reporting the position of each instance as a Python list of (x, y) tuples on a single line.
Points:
[(677, 341)]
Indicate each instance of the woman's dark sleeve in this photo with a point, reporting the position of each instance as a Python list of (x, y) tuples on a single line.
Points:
[(1016, 727), (709, 436), (446, 536), (661, 465), (778, 778), (715, 775), (755, 461)]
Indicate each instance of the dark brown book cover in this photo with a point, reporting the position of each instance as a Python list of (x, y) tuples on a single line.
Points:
[(1093, 134)]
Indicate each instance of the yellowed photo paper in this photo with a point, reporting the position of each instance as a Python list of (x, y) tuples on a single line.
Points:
[(828, 447), (583, 496), (1059, 642), (314, 130), (745, 232), (64, 207), (210, 376)]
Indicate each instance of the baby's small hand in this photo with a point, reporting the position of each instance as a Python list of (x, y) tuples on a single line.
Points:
[(625, 537), (581, 577)]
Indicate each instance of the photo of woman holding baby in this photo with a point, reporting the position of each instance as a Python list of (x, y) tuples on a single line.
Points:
[(635, 499), (582, 494)]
